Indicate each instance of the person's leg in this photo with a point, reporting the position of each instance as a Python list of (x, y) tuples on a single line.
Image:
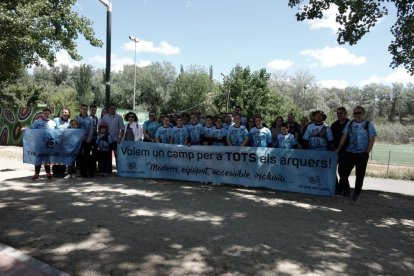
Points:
[(360, 169), (47, 169), (85, 154), (37, 172), (345, 167), (108, 162)]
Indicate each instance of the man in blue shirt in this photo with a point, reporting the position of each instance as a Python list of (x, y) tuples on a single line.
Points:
[(360, 134)]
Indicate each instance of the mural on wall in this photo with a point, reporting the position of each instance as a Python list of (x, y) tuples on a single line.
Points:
[(12, 122)]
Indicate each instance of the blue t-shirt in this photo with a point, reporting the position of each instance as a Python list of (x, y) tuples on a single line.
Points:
[(179, 134), (260, 137), (195, 132), (151, 127), (219, 136), (287, 141), (318, 136), (359, 134), (84, 123), (103, 142), (61, 123), (42, 124), (237, 135), (164, 134)]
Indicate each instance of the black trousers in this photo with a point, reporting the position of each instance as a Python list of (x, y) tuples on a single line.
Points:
[(345, 166), (37, 169), (104, 161)]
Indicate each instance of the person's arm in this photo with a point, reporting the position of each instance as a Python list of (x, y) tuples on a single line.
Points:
[(370, 144), (341, 142), (228, 141)]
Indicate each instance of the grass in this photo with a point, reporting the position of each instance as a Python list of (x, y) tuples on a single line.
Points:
[(398, 154)]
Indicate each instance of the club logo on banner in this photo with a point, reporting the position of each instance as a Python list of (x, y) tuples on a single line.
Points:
[(303, 171), (51, 146)]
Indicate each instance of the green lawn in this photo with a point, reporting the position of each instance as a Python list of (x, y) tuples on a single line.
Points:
[(400, 154)]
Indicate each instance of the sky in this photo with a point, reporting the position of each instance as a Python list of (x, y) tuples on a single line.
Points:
[(224, 33)]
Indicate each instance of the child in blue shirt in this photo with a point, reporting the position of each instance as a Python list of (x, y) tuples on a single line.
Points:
[(103, 143), (179, 133), (286, 140)]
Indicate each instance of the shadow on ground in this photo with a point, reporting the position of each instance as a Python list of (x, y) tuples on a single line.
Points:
[(123, 226)]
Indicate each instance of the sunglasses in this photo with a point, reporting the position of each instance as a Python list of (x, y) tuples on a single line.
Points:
[(357, 113)]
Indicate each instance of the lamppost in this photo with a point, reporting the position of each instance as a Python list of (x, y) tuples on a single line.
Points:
[(135, 66), (228, 91), (304, 97), (108, 51)]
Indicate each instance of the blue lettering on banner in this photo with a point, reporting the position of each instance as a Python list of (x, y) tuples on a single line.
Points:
[(51, 146), (303, 171)]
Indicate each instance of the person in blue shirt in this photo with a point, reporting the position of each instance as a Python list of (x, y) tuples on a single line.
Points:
[(219, 133), (179, 133), (43, 122), (195, 130), (260, 135), (150, 126), (83, 160), (208, 128), (62, 123), (360, 135), (104, 152), (286, 140), (318, 134), (237, 134), (163, 133)]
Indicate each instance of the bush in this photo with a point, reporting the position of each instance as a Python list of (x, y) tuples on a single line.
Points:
[(394, 133)]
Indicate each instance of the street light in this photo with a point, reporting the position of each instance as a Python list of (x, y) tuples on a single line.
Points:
[(304, 97), (228, 91), (108, 51), (135, 66)]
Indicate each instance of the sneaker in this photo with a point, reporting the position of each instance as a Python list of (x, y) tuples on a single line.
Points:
[(49, 176), (68, 176), (35, 176)]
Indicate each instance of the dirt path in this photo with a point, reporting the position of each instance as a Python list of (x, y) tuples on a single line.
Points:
[(123, 226)]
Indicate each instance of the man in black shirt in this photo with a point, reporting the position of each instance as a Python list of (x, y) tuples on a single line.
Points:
[(337, 128)]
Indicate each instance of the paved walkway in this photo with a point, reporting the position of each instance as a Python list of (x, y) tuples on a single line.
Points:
[(15, 263)]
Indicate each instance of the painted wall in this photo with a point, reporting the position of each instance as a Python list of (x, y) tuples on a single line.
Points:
[(13, 120)]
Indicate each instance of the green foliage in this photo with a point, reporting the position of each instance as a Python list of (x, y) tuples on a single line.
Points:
[(154, 83), (190, 90), (82, 77), (356, 18), (394, 133), (37, 29)]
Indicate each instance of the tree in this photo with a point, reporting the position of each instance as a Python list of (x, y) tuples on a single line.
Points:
[(82, 77), (190, 90), (37, 29), (359, 16)]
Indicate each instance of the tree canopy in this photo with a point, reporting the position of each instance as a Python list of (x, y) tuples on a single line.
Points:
[(357, 17), (37, 29)]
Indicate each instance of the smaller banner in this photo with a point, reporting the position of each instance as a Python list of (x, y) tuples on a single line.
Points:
[(303, 171), (51, 146)]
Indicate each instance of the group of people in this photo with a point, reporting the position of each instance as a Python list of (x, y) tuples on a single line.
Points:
[(100, 136), (351, 139)]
